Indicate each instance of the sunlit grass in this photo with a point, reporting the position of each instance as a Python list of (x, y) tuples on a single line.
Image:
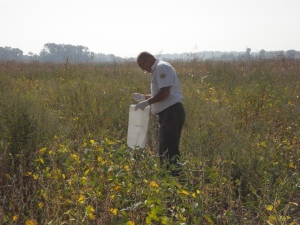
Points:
[(64, 159)]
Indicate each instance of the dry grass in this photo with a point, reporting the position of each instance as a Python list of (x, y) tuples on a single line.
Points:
[(64, 160)]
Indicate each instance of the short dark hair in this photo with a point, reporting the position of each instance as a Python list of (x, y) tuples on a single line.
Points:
[(144, 55)]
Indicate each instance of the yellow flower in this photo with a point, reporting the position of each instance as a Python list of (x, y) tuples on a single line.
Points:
[(108, 141), (81, 199), (45, 197), (89, 209), (42, 151), (15, 218), (55, 174), (116, 187), (41, 205), (269, 207), (130, 223), (83, 180), (154, 184), (92, 142), (114, 211), (90, 212), (28, 174), (67, 202), (74, 156), (183, 192), (91, 216), (31, 222), (41, 160), (291, 165)]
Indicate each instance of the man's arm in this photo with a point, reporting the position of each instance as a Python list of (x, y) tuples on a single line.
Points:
[(161, 95)]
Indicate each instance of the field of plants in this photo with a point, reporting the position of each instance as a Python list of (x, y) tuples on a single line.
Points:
[(64, 159)]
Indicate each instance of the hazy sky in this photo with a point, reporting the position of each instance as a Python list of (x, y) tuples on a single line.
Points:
[(127, 27)]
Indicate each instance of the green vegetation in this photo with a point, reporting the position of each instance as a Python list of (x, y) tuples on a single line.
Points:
[(64, 159)]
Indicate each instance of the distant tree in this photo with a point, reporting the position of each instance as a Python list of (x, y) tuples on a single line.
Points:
[(279, 54), (10, 54), (248, 50), (2, 54), (31, 57), (262, 54), (66, 53), (92, 56), (227, 57), (291, 54)]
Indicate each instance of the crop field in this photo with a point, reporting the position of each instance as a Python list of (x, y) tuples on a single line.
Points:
[(64, 158)]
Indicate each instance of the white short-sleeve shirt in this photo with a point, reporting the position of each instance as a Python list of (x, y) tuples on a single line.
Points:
[(164, 75)]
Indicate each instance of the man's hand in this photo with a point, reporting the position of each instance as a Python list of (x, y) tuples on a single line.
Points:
[(141, 105), (138, 97)]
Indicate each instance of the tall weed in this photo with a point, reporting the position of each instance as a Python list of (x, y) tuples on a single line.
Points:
[(64, 159)]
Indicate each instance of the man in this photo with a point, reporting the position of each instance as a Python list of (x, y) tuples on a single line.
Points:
[(166, 102)]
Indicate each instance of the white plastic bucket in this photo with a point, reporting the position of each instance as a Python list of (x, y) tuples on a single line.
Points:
[(137, 127)]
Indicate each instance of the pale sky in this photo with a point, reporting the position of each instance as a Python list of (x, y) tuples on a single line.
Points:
[(125, 28)]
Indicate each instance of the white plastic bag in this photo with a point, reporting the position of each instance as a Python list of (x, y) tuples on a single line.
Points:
[(137, 127)]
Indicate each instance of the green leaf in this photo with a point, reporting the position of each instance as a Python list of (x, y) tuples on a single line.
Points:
[(172, 184), (148, 220), (208, 219), (152, 200), (213, 175), (279, 218)]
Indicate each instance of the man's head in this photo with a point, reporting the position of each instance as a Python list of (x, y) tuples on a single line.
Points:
[(145, 60)]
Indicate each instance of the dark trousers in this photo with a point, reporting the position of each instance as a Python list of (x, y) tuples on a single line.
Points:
[(170, 121)]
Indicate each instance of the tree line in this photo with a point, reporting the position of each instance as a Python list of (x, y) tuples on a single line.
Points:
[(66, 53), (58, 53)]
